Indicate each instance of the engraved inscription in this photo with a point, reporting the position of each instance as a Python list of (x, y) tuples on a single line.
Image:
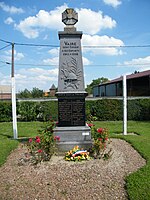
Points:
[(70, 70), (71, 112)]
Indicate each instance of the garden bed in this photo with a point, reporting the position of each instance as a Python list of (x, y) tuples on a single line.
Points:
[(59, 179)]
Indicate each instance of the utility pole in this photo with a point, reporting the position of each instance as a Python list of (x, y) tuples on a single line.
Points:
[(124, 105), (13, 92)]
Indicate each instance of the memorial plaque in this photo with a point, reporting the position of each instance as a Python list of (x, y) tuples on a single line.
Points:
[(71, 112)]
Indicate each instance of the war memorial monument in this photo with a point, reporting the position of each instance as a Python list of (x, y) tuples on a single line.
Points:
[(71, 94)]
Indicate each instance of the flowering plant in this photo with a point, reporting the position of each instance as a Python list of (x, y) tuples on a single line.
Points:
[(101, 141), (77, 154), (42, 147)]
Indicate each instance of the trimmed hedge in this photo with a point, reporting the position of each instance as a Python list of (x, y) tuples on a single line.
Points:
[(103, 109), (112, 109), (5, 111), (41, 111)]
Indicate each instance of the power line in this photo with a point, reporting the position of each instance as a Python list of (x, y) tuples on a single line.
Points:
[(5, 41), (117, 46), (84, 46), (36, 45), (5, 47), (27, 64), (94, 65)]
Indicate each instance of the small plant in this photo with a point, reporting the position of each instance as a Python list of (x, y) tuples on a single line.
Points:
[(42, 147), (100, 142), (77, 154)]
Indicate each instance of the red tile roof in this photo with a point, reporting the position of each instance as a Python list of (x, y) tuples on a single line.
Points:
[(131, 76)]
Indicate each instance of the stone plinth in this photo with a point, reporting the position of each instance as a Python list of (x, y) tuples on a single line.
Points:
[(73, 136)]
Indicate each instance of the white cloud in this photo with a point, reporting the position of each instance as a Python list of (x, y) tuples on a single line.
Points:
[(140, 63), (36, 77), (5, 79), (45, 37), (92, 22), (113, 3), (32, 77), (96, 40), (17, 55), (54, 52), (86, 61), (32, 25), (10, 9), (51, 61), (43, 72), (9, 20)]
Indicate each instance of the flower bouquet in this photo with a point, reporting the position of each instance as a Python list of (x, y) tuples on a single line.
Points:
[(77, 154)]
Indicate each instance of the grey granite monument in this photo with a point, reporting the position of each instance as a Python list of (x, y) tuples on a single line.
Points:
[(71, 93)]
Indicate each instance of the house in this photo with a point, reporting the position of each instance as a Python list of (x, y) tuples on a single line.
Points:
[(52, 90), (138, 84), (5, 92)]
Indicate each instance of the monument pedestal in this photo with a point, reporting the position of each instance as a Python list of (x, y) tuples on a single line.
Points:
[(71, 128), (73, 136)]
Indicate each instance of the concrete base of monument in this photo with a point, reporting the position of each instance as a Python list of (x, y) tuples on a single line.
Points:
[(66, 146), (73, 136)]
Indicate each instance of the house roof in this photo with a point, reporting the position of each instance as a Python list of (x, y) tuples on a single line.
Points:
[(5, 89), (53, 87), (131, 76)]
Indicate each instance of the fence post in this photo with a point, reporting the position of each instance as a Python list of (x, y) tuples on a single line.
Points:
[(13, 91), (124, 105)]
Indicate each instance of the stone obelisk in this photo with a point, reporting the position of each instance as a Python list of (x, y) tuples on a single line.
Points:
[(71, 93)]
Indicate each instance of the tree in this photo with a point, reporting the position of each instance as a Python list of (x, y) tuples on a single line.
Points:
[(95, 82), (36, 93), (24, 94)]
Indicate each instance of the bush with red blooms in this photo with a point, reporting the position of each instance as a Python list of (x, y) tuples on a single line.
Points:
[(100, 143), (42, 147)]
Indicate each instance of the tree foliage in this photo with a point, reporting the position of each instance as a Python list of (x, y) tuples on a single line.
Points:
[(94, 83), (34, 93)]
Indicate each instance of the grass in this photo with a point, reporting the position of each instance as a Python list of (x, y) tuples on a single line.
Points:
[(137, 184), (7, 144)]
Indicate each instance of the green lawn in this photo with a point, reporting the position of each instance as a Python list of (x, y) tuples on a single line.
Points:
[(7, 144), (137, 184)]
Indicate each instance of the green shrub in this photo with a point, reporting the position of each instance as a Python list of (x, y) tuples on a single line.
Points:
[(134, 109), (28, 111), (102, 109), (47, 110), (145, 109), (106, 109), (43, 147), (5, 111)]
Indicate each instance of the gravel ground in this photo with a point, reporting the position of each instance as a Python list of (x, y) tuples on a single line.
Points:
[(62, 180)]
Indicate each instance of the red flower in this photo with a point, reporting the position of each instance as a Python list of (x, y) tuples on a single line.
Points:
[(40, 151), (57, 138), (106, 138), (30, 140), (100, 139), (100, 130), (38, 140), (90, 125)]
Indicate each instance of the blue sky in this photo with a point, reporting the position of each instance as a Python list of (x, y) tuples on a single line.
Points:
[(103, 23)]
